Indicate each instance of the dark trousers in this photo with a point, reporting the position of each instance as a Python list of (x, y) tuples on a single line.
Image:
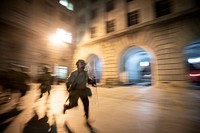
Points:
[(73, 102), (85, 102), (45, 88)]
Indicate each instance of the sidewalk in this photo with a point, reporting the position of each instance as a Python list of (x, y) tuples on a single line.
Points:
[(122, 109)]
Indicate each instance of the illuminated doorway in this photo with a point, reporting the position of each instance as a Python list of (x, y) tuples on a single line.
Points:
[(135, 67), (94, 67)]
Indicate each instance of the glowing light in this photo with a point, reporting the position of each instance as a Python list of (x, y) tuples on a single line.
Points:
[(61, 36), (194, 75), (66, 4), (70, 7), (147, 75), (63, 2), (146, 63), (54, 39), (194, 60)]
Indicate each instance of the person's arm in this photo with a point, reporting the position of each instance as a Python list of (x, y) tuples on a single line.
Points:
[(70, 80)]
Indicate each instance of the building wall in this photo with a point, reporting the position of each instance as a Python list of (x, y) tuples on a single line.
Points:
[(25, 28), (164, 37), (121, 8)]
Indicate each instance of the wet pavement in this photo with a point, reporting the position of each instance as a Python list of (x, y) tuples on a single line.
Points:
[(122, 109)]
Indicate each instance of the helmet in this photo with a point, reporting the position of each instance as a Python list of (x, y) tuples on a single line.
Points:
[(81, 61)]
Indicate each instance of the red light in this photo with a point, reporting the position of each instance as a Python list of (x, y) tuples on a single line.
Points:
[(194, 75)]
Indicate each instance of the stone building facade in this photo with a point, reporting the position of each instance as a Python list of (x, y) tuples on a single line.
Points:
[(25, 30), (162, 28)]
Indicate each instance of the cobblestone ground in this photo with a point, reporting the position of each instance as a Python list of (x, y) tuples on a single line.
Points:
[(122, 109)]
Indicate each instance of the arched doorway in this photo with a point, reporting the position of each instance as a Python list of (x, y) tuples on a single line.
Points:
[(135, 66), (94, 67), (192, 61)]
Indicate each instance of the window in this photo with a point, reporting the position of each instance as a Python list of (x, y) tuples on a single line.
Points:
[(109, 5), (61, 36), (70, 6), (93, 14), (93, 32), (110, 26), (132, 18), (162, 7), (67, 4), (61, 72)]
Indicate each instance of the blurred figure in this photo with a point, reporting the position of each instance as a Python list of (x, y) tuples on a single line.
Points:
[(46, 80), (3, 80), (76, 86), (5, 94), (24, 80), (13, 76), (17, 80)]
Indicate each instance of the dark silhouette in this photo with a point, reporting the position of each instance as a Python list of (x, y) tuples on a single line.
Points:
[(77, 87), (15, 79), (46, 80), (18, 79), (92, 130), (4, 80), (4, 123), (36, 125), (53, 127)]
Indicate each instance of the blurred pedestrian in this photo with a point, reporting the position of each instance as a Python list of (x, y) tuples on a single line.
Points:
[(77, 87), (18, 80), (5, 93), (46, 80), (24, 79), (4, 80)]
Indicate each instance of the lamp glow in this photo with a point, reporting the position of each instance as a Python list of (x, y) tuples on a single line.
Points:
[(54, 39), (61, 36)]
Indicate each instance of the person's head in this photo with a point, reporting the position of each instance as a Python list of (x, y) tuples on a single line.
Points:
[(80, 64), (45, 69)]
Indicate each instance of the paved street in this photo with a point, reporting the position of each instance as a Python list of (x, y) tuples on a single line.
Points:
[(123, 109)]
